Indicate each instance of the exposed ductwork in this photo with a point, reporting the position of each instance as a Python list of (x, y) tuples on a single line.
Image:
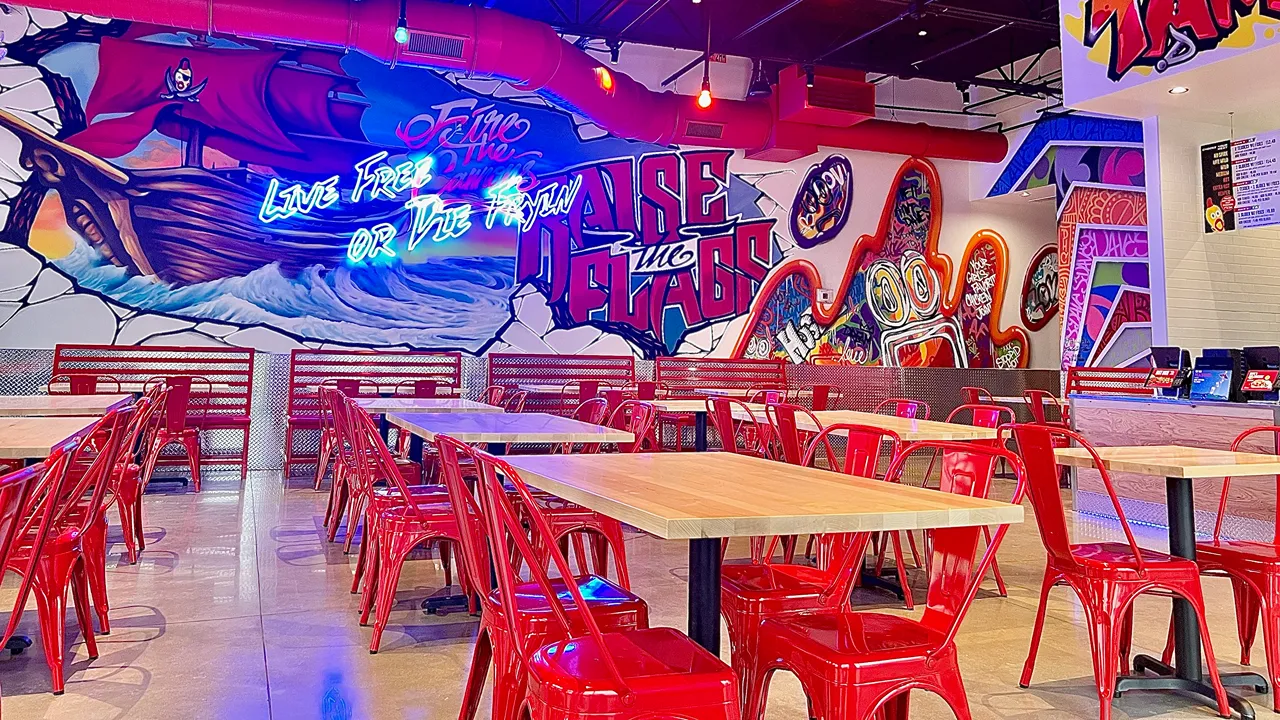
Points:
[(489, 43)]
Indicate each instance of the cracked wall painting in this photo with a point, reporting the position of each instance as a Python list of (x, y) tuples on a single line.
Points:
[(898, 303), (221, 188)]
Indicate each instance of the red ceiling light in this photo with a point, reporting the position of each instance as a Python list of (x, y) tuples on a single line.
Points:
[(605, 79), (704, 96)]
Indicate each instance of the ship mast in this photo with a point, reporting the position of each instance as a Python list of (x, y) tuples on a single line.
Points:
[(193, 154)]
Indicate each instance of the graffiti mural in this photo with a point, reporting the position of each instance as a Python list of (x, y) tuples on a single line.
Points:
[(199, 189), (821, 206), (894, 307), (1040, 289), (1164, 35)]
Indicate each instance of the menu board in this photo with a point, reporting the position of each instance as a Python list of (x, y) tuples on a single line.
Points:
[(1241, 182)]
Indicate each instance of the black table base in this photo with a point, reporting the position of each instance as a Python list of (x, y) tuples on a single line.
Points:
[(17, 644), (699, 431), (704, 593), (1186, 675)]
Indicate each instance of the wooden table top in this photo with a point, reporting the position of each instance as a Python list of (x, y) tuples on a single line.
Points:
[(492, 427), (714, 495), (60, 405), (424, 405), (36, 437), (1174, 461)]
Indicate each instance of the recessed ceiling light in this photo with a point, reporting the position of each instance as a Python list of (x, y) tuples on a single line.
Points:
[(922, 32), (1026, 193), (1179, 90)]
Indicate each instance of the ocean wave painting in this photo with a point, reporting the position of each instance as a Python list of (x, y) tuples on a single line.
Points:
[(444, 302)]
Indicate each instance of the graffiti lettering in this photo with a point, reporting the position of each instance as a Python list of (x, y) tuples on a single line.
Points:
[(370, 243), (386, 181), (1040, 289), (464, 132), (1164, 33), (646, 248), (822, 202), (297, 199)]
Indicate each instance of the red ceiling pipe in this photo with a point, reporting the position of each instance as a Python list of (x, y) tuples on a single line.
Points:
[(491, 43)]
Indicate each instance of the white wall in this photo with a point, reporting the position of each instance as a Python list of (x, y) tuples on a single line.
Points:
[(1221, 289)]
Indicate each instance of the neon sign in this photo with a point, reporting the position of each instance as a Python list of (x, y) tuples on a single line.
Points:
[(430, 215)]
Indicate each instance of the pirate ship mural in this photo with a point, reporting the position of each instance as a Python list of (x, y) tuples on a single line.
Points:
[(303, 190)]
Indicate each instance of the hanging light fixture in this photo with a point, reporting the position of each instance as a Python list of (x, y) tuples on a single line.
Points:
[(402, 26), (760, 86), (615, 47), (704, 95), (808, 76)]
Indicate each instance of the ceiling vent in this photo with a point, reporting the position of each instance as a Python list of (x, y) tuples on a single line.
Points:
[(698, 129), (429, 44), (838, 98)]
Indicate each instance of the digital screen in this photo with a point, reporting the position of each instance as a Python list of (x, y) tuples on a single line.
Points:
[(1260, 380), (1210, 384), (1162, 378)]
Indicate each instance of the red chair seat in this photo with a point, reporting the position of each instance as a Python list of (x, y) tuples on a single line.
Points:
[(758, 588), (858, 648), (1238, 553), (662, 667), (622, 608), (304, 422), (1113, 557), (220, 421)]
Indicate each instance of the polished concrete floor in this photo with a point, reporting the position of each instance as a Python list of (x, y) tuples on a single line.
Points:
[(240, 610)]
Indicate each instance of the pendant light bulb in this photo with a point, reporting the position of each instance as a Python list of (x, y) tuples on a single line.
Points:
[(704, 96)]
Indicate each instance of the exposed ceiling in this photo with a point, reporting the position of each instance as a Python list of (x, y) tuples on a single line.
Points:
[(963, 39)]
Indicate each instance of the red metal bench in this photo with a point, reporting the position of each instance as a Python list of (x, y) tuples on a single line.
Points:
[(1108, 381), (229, 371), (683, 376), (308, 369), (511, 370)]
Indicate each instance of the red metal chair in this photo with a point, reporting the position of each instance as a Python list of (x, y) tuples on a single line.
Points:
[(133, 474), (514, 403), (740, 436), (914, 409), (613, 607), (764, 393), (1254, 570), (751, 593), (1038, 403), (83, 384), (863, 665), (576, 392), (821, 397), (1106, 576), (422, 389), (397, 521), (787, 444), (64, 559), (493, 395), (328, 437), (976, 395), (591, 673), (184, 393)]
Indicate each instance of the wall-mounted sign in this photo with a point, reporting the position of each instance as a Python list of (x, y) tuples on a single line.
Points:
[(1260, 380), (1040, 289), (1241, 183), (1162, 378), (822, 202)]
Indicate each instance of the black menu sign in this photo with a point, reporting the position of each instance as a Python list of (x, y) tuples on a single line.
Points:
[(1219, 200)]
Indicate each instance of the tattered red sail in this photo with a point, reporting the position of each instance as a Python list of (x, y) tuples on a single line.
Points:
[(251, 108)]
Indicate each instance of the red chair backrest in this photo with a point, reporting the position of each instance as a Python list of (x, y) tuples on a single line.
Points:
[(824, 397), (591, 411), (178, 403), (514, 403), (418, 388), (785, 431), (93, 463), (720, 412), (953, 577), (976, 395), (472, 524), (1237, 445), (913, 409), (636, 417), (368, 443), (493, 395), (82, 384), (510, 370), (647, 390), (983, 415), (1038, 402), (1036, 445), (863, 447), (507, 529), (35, 520)]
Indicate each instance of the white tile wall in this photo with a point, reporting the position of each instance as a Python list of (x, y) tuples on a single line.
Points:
[(1222, 290)]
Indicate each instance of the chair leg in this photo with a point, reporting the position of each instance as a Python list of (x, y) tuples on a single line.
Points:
[(1193, 594), (191, 441), (446, 561), (354, 515), (1029, 666), (127, 493), (1248, 608), (995, 567), (94, 558), (52, 577), (80, 595), (244, 457), (1271, 637), (481, 658), (322, 459), (391, 557), (903, 579), (1104, 642)]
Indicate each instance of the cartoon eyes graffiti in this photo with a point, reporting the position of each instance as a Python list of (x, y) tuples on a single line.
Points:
[(904, 291)]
